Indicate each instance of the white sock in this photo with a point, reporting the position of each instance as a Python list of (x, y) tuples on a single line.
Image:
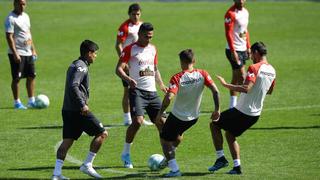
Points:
[(172, 164), (58, 167), (126, 148), (127, 116), (90, 158), (17, 101), (233, 101), (220, 153), (31, 99), (236, 162)]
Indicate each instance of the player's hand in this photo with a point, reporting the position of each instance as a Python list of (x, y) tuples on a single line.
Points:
[(160, 120), (164, 88), (235, 57), (17, 58), (132, 83), (84, 110), (249, 53), (215, 116), (221, 79)]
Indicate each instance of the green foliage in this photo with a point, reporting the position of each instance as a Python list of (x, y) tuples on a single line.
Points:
[(284, 144)]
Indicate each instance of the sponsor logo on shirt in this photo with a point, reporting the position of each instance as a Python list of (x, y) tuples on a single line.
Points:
[(146, 72), (267, 73), (82, 69), (193, 81)]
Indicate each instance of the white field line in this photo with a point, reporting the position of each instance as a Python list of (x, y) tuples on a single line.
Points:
[(288, 108)]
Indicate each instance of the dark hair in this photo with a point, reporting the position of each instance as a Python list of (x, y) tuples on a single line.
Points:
[(134, 7), (145, 27), (87, 46), (186, 56), (260, 48)]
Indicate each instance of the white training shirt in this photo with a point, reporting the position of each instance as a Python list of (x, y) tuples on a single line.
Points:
[(128, 32), (263, 76), (142, 62), (19, 25), (188, 87), (236, 27)]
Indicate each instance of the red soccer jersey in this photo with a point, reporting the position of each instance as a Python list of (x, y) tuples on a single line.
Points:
[(236, 29), (128, 32)]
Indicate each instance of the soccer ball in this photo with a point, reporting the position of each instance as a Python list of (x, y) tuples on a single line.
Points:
[(42, 101), (156, 162)]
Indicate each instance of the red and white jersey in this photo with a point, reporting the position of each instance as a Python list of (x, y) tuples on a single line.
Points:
[(128, 32), (236, 29), (263, 76), (142, 62), (188, 87)]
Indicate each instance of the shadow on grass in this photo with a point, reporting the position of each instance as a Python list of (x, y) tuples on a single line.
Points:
[(60, 127), (286, 127)]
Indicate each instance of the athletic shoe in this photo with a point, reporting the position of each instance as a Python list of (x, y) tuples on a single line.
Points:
[(147, 123), (19, 106), (220, 163), (31, 105), (90, 171), (126, 161), (173, 174), (60, 177), (127, 122), (235, 170)]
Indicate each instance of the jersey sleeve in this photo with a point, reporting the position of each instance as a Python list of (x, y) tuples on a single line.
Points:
[(75, 81), (126, 54), (174, 84), (9, 25), (229, 20), (207, 78), (251, 74), (122, 32)]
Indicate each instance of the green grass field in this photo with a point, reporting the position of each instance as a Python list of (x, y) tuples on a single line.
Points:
[(284, 144)]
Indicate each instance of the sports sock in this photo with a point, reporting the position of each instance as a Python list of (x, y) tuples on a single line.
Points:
[(220, 153), (236, 162), (233, 101), (31, 99), (172, 164), (17, 101), (126, 148), (58, 167), (90, 158), (127, 116)]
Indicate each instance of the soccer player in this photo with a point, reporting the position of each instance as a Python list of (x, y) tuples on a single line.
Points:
[(259, 81), (142, 59), (187, 86), (21, 52), (238, 43), (76, 115), (128, 34)]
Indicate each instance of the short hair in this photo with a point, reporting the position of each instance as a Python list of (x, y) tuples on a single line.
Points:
[(186, 56), (87, 46), (134, 7), (260, 47), (145, 27)]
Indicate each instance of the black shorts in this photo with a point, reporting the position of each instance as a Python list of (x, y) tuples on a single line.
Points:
[(74, 124), (173, 127), (23, 69), (243, 56), (141, 101), (125, 83), (235, 122)]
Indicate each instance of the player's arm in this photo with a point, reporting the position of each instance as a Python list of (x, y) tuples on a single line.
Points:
[(245, 88), (165, 103), (12, 46), (120, 71), (119, 46), (229, 28), (33, 49), (159, 79), (75, 81), (215, 94), (271, 88)]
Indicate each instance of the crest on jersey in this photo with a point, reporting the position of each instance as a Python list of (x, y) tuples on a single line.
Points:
[(81, 69), (120, 33), (227, 20), (250, 75), (172, 86)]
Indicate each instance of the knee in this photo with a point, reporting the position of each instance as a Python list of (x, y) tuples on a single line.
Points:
[(104, 135)]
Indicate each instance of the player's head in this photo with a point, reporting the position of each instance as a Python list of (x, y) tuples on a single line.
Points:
[(88, 50), (258, 50), (186, 58), (145, 34), (19, 6), (134, 12), (239, 3)]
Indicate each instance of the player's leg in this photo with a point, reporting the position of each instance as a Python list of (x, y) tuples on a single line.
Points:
[(61, 155), (125, 104), (235, 153), (30, 82), (235, 74), (16, 69)]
